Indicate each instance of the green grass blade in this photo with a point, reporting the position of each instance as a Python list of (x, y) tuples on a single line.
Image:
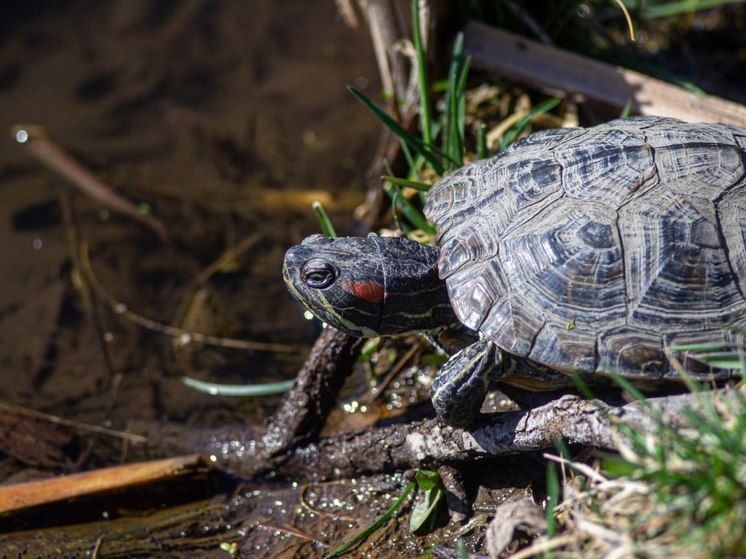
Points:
[(626, 110), (628, 387), (326, 224), (422, 80), (455, 102), (240, 390), (385, 517), (410, 159), (553, 492), (722, 355), (668, 9), (519, 126), (582, 386), (395, 197), (369, 348), (425, 150), (413, 214), (482, 141), (726, 360), (416, 185)]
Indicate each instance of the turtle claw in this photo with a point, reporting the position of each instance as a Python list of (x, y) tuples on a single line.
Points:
[(462, 384)]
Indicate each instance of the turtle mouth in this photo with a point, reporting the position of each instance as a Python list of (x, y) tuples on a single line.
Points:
[(313, 298), (292, 265)]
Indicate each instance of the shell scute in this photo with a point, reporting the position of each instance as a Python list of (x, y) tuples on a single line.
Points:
[(610, 170), (597, 249), (477, 292), (731, 211), (569, 259), (679, 273), (571, 349), (475, 241)]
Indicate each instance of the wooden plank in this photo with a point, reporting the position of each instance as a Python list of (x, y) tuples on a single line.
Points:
[(553, 69)]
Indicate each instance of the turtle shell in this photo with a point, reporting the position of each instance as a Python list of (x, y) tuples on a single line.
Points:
[(598, 249)]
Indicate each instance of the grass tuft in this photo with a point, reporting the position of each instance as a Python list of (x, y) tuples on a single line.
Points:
[(674, 492)]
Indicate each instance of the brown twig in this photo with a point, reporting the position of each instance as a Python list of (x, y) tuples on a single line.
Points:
[(76, 425), (303, 410), (395, 370), (121, 309), (230, 254), (90, 305), (347, 11), (35, 140), (385, 33)]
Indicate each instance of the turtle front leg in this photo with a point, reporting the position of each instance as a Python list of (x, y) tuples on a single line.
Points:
[(461, 385)]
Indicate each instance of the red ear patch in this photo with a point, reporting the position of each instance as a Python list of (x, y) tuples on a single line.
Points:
[(370, 291)]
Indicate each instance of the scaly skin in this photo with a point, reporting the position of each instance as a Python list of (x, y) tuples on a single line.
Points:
[(374, 286), (387, 286)]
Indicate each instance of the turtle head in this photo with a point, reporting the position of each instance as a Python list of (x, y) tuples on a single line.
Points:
[(374, 286)]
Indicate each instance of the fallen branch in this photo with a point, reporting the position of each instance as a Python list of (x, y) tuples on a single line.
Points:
[(301, 415), (577, 421), (554, 69)]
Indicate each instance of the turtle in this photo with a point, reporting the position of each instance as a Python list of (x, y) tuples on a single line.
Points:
[(592, 250)]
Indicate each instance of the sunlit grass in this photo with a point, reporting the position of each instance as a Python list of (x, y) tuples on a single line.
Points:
[(677, 491), (674, 492)]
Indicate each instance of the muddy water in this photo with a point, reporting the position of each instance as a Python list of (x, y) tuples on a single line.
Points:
[(225, 119)]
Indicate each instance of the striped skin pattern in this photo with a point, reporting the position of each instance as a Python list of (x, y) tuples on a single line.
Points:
[(377, 286), (596, 250)]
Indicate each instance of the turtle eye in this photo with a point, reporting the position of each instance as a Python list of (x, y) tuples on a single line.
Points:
[(318, 273)]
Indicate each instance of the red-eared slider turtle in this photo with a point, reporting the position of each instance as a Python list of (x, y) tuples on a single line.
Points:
[(592, 250)]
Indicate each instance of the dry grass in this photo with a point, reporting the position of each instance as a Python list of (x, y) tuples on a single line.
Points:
[(670, 493)]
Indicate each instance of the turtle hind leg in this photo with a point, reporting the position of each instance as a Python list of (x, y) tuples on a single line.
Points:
[(462, 384)]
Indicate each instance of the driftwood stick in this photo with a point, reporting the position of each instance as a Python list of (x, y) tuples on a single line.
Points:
[(556, 70), (24, 495)]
